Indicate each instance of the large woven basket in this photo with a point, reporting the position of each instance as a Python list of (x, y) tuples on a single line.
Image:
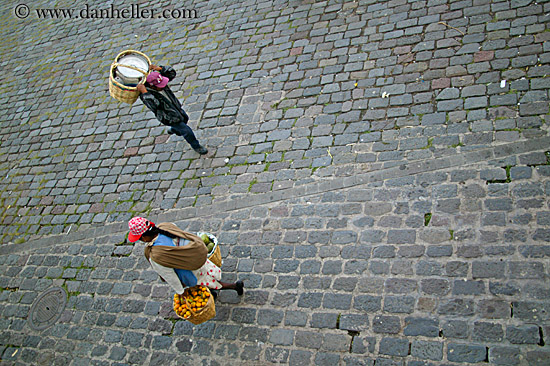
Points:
[(205, 314), (119, 91), (215, 254)]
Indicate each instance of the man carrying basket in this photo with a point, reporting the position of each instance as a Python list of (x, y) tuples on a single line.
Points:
[(159, 98), (179, 257)]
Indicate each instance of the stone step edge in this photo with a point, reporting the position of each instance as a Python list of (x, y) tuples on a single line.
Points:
[(326, 185)]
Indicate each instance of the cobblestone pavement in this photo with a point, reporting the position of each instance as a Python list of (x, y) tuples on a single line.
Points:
[(378, 176)]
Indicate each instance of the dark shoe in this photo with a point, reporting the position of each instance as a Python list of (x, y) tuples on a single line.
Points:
[(170, 131), (215, 294), (239, 286), (201, 150)]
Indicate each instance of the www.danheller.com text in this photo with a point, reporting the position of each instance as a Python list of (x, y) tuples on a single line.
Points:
[(133, 11)]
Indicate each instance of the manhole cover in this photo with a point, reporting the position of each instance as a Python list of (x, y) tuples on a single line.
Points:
[(47, 308)]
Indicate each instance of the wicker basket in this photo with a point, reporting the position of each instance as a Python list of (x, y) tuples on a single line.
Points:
[(119, 91), (206, 313), (215, 255)]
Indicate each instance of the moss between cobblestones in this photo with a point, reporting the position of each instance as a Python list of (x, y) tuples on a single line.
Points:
[(507, 180), (69, 293), (427, 218), (429, 145), (254, 181)]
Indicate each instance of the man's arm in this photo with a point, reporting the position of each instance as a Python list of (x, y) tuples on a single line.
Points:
[(167, 71), (148, 99), (141, 89)]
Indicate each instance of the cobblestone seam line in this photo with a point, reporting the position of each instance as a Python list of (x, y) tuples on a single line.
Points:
[(327, 185)]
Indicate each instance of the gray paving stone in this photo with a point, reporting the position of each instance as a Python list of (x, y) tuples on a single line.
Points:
[(427, 350), (394, 347), (386, 324), (504, 355), (466, 353)]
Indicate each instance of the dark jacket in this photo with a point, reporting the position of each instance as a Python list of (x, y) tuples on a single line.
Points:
[(167, 110)]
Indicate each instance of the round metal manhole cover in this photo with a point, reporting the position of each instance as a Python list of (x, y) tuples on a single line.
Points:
[(47, 308)]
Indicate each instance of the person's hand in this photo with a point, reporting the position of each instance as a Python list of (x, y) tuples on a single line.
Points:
[(155, 68), (141, 88)]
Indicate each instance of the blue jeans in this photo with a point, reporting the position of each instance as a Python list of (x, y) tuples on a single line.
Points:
[(181, 129)]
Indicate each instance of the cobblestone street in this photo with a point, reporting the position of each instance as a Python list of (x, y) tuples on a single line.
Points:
[(378, 176)]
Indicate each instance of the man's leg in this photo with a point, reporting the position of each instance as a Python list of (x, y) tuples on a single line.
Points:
[(181, 129)]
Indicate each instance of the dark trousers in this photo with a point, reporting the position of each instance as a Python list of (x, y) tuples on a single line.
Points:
[(181, 129)]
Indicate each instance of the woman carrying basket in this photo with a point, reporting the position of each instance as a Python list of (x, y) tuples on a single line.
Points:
[(179, 257)]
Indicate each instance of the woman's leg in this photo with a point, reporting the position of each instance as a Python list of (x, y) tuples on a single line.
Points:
[(227, 286), (237, 286)]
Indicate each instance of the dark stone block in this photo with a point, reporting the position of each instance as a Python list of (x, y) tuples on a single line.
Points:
[(386, 324), (427, 350), (421, 327), (523, 334), (466, 353), (394, 347), (491, 332), (504, 355), (467, 287)]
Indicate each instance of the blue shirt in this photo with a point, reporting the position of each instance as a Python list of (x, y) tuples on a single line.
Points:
[(186, 277)]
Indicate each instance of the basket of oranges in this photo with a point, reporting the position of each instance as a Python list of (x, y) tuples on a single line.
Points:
[(195, 305)]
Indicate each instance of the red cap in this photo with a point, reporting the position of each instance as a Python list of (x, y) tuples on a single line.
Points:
[(138, 226), (156, 79)]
